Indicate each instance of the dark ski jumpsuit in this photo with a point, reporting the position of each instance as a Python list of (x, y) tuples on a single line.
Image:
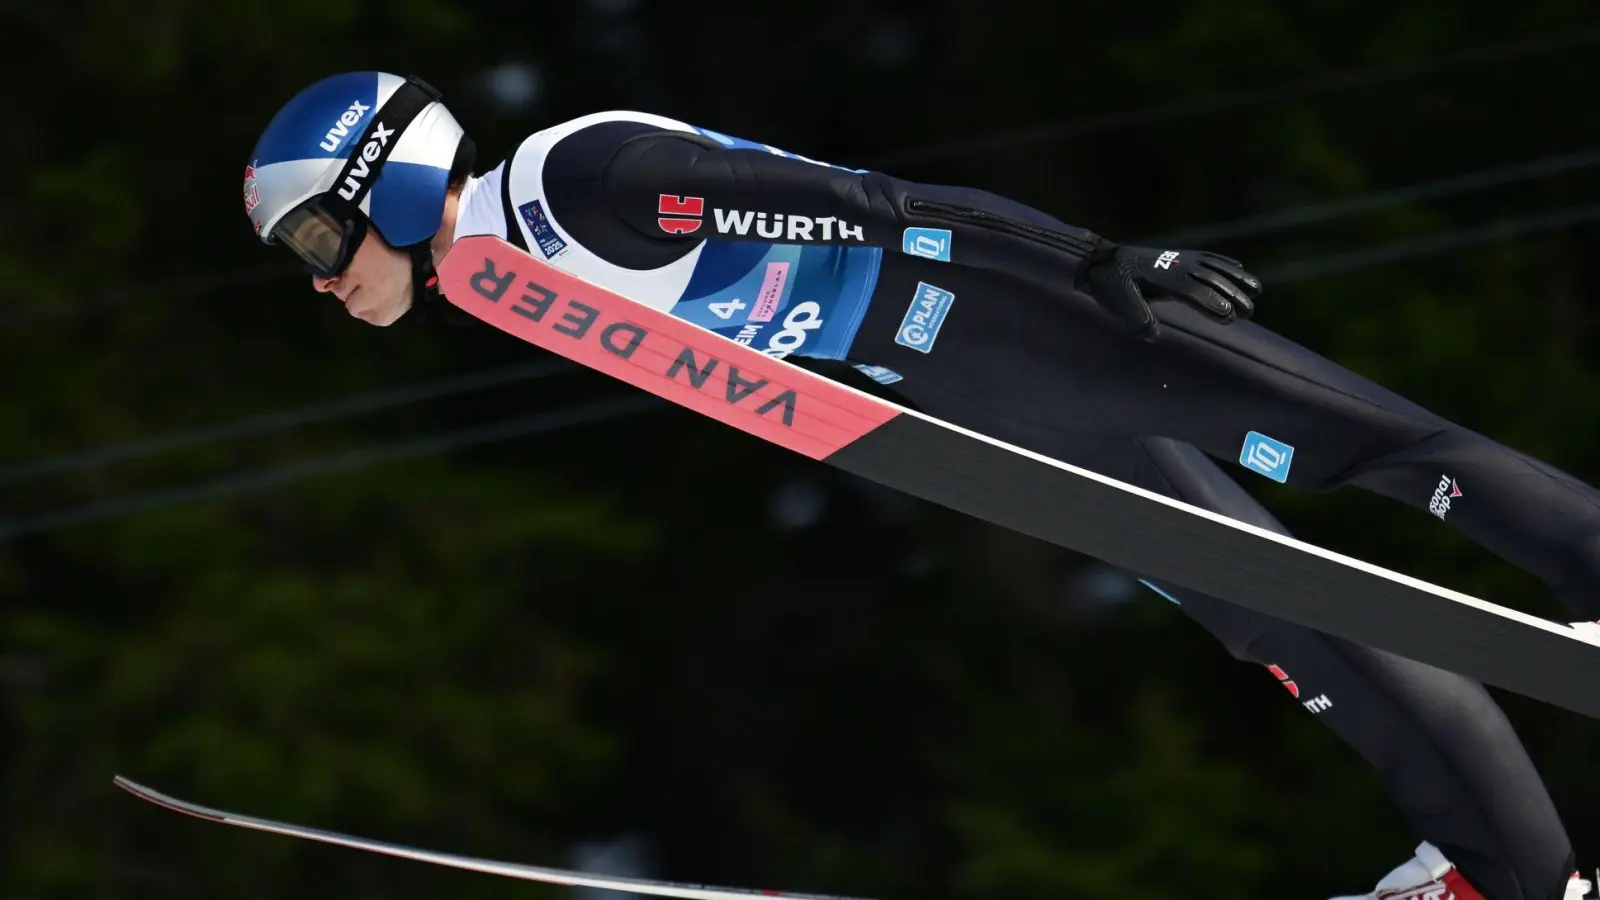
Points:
[(1017, 354)]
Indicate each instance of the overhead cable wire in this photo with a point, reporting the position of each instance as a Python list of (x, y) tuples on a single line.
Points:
[(267, 423), (428, 445)]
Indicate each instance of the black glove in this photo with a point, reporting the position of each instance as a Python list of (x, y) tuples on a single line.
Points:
[(1119, 278)]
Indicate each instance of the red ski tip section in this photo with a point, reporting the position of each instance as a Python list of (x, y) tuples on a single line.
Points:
[(649, 349)]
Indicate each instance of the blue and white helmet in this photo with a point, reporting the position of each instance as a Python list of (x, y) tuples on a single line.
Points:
[(351, 150)]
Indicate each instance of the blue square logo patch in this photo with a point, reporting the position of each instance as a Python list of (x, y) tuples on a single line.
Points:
[(929, 243), (1267, 456), (923, 318), (878, 373)]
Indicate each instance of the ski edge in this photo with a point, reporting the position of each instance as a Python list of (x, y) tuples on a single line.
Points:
[(521, 871)]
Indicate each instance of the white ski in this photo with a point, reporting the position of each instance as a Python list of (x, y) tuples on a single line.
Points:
[(472, 864)]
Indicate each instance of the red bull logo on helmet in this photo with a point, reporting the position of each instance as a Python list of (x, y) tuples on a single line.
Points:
[(252, 193)]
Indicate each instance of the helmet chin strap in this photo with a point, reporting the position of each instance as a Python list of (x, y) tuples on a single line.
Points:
[(424, 280), (427, 301)]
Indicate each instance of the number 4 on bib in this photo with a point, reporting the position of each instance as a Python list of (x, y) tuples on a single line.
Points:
[(726, 310)]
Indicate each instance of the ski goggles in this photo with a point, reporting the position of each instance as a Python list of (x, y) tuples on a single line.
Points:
[(326, 230), (324, 239)]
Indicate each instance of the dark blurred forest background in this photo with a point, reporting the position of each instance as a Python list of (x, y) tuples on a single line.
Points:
[(436, 587)]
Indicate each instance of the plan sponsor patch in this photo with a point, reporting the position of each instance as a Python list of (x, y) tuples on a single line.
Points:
[(924, 317)]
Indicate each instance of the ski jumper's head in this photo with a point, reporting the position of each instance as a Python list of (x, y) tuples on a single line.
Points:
[(356, 156)]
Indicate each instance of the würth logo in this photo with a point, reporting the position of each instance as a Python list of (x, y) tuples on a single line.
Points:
[(677, 214), (680, 215)]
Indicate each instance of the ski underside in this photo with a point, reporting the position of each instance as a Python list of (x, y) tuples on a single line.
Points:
[(472, 864)]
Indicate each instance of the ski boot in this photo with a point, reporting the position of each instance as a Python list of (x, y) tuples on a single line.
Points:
[(1429, 876)]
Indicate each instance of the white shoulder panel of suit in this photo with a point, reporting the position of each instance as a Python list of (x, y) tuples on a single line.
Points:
[(481, 213)]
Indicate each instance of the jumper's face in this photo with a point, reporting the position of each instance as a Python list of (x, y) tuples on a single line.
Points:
[(376, 286)]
